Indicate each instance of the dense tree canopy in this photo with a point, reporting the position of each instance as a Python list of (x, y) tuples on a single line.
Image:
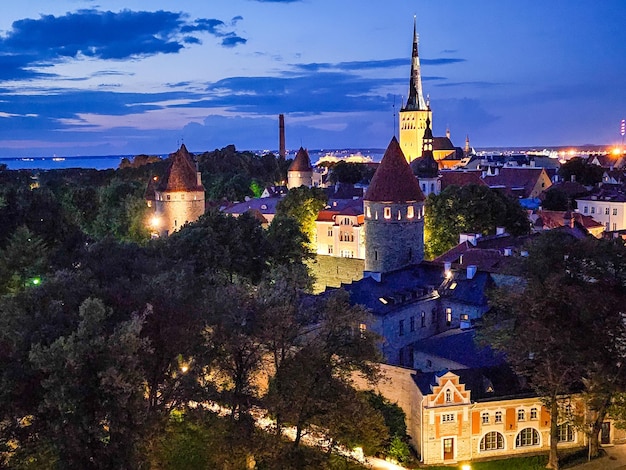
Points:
[(469, 209), (303, 205), (563, 328), (584, 172)]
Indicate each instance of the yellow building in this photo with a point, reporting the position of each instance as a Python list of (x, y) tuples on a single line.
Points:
[(413, 116)]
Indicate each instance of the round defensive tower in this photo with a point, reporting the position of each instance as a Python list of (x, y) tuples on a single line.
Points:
[(394, 215), (300, 172)]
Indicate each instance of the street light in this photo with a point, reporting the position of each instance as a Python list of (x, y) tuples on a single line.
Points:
[(466, 466)]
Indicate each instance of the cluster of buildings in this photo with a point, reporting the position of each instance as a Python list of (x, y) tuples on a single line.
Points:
[(462, 402)]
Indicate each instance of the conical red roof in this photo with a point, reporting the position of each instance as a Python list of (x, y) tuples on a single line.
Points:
[(394, 181), (302, 162), (181, 174)]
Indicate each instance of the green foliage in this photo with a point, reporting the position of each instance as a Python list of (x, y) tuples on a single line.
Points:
[(399, 450), (469, 209), (303, 205), (555, 200), (23, 262), (586, 173), (349, 173), (392, 413)]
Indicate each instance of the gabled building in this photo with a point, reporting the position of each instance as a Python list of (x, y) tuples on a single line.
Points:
[(523, 183), (179, 196), (606, 205)]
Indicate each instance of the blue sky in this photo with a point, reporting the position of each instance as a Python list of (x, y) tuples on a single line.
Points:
[(87, 77)]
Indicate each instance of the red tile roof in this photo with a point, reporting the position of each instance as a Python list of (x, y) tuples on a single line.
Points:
[(394, 181), (302, 162), (181, 174), (460, 178)]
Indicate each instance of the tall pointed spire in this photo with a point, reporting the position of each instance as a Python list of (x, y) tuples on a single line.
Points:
[(416, 97)]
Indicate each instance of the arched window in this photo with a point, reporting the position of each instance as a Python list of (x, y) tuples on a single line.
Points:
[(448, 396), (527, 437), (566, 433), (492, 441)]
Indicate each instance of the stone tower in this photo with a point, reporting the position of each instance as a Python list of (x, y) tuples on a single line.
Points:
[(425, 168), (394, 215), (300, 172), (179, 196), (414, 114)]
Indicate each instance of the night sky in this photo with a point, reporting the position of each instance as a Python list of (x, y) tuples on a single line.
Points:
[(81, 77)]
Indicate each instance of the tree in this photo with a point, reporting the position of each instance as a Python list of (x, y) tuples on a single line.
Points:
[(23, 262), (562, 328), (350, 173), (469, 209), (303, 204), (586, 173), (555, 199), (93, 398), (308, 383)]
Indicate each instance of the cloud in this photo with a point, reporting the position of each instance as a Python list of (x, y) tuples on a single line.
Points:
[(49, 39), (371, 64)]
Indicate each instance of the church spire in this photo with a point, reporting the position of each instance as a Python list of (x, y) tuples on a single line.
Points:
[(416, 97)]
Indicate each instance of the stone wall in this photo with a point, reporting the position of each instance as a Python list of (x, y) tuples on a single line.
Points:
[(330, 271)]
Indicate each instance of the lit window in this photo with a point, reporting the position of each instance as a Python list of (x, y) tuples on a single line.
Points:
[(464, 317), (453, 286), (498, 417), (368, 212), (448, 316), (410, 212), (521, 415), (387, 214), (485, 418), (492, 441), (533, 413), (527, 437), (383, 300), (566, 433)]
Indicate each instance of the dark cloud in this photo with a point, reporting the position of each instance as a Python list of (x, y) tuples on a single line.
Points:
[(371, 64), (127, 34)]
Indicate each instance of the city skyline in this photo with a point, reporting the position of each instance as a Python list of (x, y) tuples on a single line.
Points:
[(80, 77)]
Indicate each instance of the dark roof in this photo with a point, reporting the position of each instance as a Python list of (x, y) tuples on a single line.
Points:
[(394, 181), (443, 143), (460, 178), (520, 181), (181, 173), (459, 346), (302, 162), (396, 288), (571, 188), (425, 166), (500, 379)]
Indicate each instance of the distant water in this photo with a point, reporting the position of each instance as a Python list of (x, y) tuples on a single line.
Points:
[(57, 163), (113, 161)]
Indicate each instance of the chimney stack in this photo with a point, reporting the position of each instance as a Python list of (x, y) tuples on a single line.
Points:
[(281, 136)]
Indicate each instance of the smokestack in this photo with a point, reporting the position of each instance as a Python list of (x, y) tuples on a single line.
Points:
[(281, 136)]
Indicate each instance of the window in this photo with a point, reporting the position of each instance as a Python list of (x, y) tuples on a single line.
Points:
[(168, 197), (606, 211), (330, 249), (593, 210), (447, 417), (410, 212), (448, 396), (362, 330), (498, 417), (566, 433), (182, 197), (533, 413), (485, 418), (387, 213), (423, 319), (412, 323), (614, 211), (401, 327), (521, 415), (464, 317), (448, 316), (330, 231), (527, 437), (368, 212), (492, 441), (585, 209)]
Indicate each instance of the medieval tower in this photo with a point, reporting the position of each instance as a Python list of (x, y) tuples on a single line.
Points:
[(394, 215), (300, 172), (414, 114), (179, 196), (425, 168)]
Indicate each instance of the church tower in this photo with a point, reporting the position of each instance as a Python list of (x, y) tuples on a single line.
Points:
[(426, 168), (394, 215), (414, 114)]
